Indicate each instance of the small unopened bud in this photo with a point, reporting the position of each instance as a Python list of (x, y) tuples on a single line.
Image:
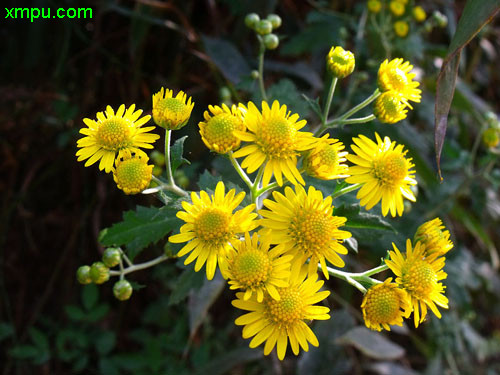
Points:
[(99, 273), (111, 257), (440, 18), (275, 20), (122, 290), (340, 62), (271, 41), (158, 158), (264, 27), (83, 275), (491, 138), (251, 20), (254, 74)]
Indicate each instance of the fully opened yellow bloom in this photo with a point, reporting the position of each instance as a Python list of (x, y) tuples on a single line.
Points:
[(211, 226), (217, 131), (374, 6), (276, 322), (325, 160), (275, 142), (304, 226), (171, 112), (253, 267), (401, 28), (340, 62), (419, 276), (385, 173), (397, 8), (384, 305), (390, 107), (435, 239), (112, 133), (132, 173), (395, 75), (419, 14)]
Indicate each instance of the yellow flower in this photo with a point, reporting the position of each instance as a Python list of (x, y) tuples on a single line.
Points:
[(385, 304), (276, 322), (419, 14), (132, 173), (491, 137), (374, 6), (169, 112), (419, 276), (303, 225), (395, 75), (211, 226), (435, 239), (217, 131), (383, 171), (390, 107), (275, 142), (340, 62), (325, 160), (404, 2), (256, 269), (114, 132), (397, 8), (401, 28)]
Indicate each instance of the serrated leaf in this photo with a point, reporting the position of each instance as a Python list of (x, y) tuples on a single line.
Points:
[(187, 281), (476, 14), (140, 228), (362, 220), (227, 58), (314, 105), (176, 151), (287, 93), (208, 181), (90, 294), (371, 343)]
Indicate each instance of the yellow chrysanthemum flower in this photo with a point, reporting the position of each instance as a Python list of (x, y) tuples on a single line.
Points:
[(397, 8), (112, 133), (401, 28), (384, 305), (276, 322), (390, 107), (325, 160), (419, 276), (374, 6), (491, 137), (385, 173), (211, 226), (435, 239), (275, 141), (419, 14), (255, 268), (304, 226), (340, 62), (217, 131), (132, 173), (395, 75), (169, 112)]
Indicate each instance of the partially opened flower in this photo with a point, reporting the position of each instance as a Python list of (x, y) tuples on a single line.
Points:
[(420, 277), (397, 8), (304, 226), (434, 237), (275, 142), (210, 227), (390, 107), (385, 173), (401, 28), (374, 6), (279, 321), (112, 133), (254, 267), (326, 160), (340, 62), (217, 131), (384, 305), (171, 112), (132, 173), (395, 75)]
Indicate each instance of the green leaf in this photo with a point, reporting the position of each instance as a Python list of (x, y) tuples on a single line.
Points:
[(362, 220), (74, 312), (176, 154), (372, 344), (476, 14), (314, 105), (187, 281), (39, 338), (105, 342), (208, 181), (226, 57), (97, 314), (24, 352), (287, 93), (141, 228), (224, 363), (90, 295), (6, 330)]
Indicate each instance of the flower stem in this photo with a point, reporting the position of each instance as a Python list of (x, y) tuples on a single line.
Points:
[(171, 186), (140, 266), (329, 98), (355, 279), (255, 186), (355, 109), (359, 120), (240, 170), (262, 49), (345, 190)]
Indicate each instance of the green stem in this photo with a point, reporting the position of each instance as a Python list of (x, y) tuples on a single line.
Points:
[(255, 187), (359, 120), (240, 170), (345, 190), (272, 186), (329, 98), (375, 270), (355, 279), (171, 186), (262, 49), (357, 108), (140, 266)]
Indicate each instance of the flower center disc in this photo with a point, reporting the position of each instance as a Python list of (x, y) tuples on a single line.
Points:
[(419, 279), (390, 170), (311, 230), (252, 267), (172, 104), (289, 309), (114, 133), (212, 225), (277, 137), (383, 305), (397, 79), (219, 129), (328, 156)]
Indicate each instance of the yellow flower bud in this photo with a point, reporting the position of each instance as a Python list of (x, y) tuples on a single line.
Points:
[(419, 14), (132, 173), (401, 28), (374, 6), (390, 107), (397, 8), (340, 62), (169, 112)]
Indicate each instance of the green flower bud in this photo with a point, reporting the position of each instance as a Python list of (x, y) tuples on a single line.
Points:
[(271, 41), (225, 94), (83, 276), (254, 74), (111, 257), (157, 171), (440, 18), (491, 138), (122, 290), (99, 273), (275, 20), (251, 20), (158, 158), (264, 27)]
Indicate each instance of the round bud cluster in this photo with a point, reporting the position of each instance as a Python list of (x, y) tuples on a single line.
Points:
[(265, 27), (122, 290), (111, 257), (83, 275), (99, 273)]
